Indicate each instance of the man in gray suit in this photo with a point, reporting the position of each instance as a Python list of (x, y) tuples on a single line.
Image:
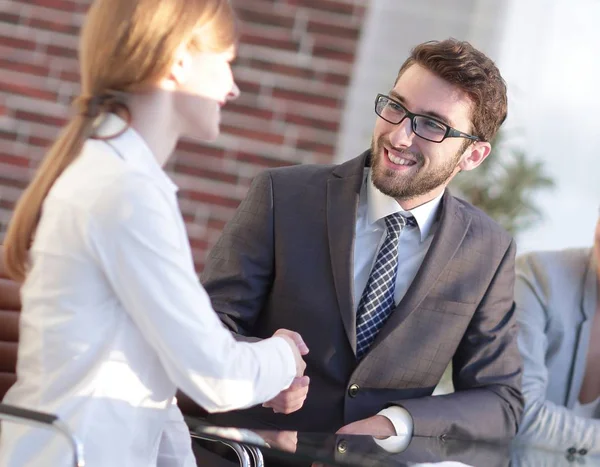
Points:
[(383, 272), (558, 307)]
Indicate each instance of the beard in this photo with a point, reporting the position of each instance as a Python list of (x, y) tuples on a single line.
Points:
[(413, 185)]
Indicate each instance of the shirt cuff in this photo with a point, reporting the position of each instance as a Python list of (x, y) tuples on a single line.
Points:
[(403, 424), (287, 354)]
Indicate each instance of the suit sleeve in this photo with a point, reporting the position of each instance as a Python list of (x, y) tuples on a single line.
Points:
[(239, 269), (545, 424), (487, 368)]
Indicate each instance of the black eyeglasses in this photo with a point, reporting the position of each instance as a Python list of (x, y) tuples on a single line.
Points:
[(423, 126)]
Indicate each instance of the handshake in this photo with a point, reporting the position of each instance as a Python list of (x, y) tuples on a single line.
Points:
[(292, 398)]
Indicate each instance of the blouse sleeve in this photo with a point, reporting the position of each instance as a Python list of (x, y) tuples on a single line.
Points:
[(138, 238)]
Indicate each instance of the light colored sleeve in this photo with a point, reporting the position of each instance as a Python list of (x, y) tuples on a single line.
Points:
[(175, 447), (403, 424), (544, 423), (138, 237)]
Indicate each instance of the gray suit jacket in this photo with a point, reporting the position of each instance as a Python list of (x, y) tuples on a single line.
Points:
[(286, 261), (555, 294)]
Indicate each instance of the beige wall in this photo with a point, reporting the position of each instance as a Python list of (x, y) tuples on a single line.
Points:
[(550, 59)]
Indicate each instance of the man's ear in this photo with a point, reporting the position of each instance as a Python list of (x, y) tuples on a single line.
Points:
[(475, 155)]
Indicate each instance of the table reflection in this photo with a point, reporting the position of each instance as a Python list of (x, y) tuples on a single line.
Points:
[(305, 449)]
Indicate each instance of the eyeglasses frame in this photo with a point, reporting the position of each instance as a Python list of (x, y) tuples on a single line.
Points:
[(450, 132)]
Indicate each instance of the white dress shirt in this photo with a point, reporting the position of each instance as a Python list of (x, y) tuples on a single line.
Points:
[(114, 319), (586, 410), (414, 242)]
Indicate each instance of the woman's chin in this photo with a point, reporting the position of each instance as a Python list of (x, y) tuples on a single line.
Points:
[(204, 134)]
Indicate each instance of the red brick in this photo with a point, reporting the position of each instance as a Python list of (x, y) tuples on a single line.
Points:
[(201, 172), (315, 147), (304, 97), (264, 6), (332, 42), (38, 70), (324, 51), (264, 136), (7, 180), (260, 160), (71, 76), (282, 43), (334, 78), (18, 43), (281, 68), (264, 18), (53, 26), (215, 224), (14, 160), (40, 142), (312, 122), (39, 118), (8, 135), (64, 5), (250, 111), (59, 51), (198, 244), (9, 18), (209, 198), (348, 32), (6, 204), (331, 6)]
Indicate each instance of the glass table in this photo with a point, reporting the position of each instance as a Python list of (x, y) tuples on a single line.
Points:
[(268, 448), (280, 448)]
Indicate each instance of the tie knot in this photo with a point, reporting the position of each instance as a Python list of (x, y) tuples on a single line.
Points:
[(396, 222)]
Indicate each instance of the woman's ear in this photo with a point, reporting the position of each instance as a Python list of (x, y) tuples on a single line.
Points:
[(180, 70), (475, 155)]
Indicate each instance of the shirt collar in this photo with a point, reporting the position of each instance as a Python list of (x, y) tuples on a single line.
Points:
[(131, 146), (380, 205)]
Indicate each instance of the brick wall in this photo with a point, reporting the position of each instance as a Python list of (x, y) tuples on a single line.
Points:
[(293, 69)]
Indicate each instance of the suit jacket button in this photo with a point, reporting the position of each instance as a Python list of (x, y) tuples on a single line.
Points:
[(572, 451), (353, 390), (342, 446), (583, 452)]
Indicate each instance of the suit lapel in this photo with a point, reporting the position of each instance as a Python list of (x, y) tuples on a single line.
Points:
[(343, 191), (588, 309), (453, 225), (589, 299)]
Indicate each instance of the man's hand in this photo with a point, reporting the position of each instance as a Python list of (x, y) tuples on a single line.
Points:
[(283, 440), (292, 398), (377, 426), (299, 348)]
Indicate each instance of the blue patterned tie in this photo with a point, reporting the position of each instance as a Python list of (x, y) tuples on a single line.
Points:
[(377, 301)]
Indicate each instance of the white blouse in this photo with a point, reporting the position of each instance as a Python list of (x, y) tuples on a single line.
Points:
[(114, 319)]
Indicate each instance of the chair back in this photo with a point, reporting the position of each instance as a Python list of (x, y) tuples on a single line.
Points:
[(10, 307)]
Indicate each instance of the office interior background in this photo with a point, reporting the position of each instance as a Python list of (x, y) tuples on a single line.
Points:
[(309, 71)]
